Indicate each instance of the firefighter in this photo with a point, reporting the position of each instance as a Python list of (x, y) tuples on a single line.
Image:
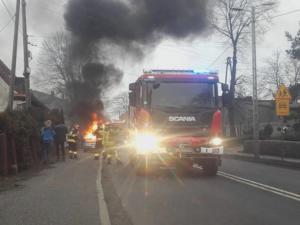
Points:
[(109, 144), (99, 140), (106, 142), (72, 139), (99, 135)]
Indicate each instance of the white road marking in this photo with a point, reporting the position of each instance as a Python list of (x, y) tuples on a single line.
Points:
[(103, 211), (261, 186)]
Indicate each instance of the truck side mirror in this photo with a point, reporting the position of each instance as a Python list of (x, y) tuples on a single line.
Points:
[(225, 88), (226, 99), (132, 87), (156, 85), (132, 101)]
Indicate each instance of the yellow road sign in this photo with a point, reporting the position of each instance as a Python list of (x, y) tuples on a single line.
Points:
[(283, 98), (283, 93), (282, 107)]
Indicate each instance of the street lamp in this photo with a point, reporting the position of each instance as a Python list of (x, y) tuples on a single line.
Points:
[(255, 121)]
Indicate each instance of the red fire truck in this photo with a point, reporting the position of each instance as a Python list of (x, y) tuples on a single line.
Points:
[(175, 120)]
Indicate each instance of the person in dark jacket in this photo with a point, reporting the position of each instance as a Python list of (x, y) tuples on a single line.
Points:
[(47, 136), (60, 138)]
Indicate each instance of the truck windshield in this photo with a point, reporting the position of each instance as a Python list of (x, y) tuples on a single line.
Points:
[(183, 95)]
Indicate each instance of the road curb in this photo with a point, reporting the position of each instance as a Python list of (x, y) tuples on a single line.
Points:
[(103, 210), (273, 162)]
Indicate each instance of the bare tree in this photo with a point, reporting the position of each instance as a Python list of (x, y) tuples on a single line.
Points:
[(294, 51), (231, 19), (56, 67), (242, 84), (121, 103), (292, 71), (279, 69), (273, 74)]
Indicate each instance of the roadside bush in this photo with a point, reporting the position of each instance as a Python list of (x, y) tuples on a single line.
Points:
[(23, 134), (266, 133), (19, 125), (296, 127), (236, 141), (22, 130), (278, 148)]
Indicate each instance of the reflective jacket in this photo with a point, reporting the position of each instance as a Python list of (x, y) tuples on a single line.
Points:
[(99, 133), (72, 136), (108, 139)]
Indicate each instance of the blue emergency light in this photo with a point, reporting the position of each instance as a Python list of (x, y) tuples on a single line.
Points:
[(188, 72)]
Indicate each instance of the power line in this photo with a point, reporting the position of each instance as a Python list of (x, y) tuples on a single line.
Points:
[(283, 14), (279, 15), (219, 56), (7, 24), (11, 15), (7, 9), (286, 13)]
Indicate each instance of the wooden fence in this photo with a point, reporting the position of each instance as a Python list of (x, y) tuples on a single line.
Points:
[(15, 157)]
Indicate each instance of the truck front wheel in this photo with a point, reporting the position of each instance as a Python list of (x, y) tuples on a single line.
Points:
[(140, 171), (140, 166), (183, 167), (210, 167)]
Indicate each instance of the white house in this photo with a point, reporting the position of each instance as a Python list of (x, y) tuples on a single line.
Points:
[(4, 86), (19, 98)]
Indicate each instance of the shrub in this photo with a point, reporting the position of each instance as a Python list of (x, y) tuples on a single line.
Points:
[(275, 148), (19, 125), (267, 132)]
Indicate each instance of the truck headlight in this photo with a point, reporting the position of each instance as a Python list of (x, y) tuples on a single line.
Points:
[(216, 141), (145, 143)]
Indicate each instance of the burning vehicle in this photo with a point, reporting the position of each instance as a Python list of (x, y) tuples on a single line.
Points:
[(91, 139)]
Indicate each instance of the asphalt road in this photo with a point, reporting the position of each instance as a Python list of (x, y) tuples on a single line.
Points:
[(235, 196), (65, 194), (243, 193)]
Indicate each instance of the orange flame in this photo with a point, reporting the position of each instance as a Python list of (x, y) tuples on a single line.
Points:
[(89, 134)]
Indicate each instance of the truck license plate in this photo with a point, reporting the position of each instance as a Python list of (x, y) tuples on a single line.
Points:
[(186, 150), (215, 151)]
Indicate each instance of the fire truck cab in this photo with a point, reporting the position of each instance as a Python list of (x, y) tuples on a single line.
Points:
[(175, 121)]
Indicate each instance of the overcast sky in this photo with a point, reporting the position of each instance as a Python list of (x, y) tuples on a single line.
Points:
[(204, 53)]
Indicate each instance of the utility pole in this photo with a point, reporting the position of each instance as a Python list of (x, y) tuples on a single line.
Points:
[(14, 59), (255, 114), (228, 66), (26, 56), (254, 99)]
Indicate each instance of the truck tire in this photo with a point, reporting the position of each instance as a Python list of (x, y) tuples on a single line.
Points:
[(132, 160), (140, 171), (183, 167), (210, 167)]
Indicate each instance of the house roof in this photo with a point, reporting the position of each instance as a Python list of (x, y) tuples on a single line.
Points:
[(4, 72), (19, 93), (51, 101)]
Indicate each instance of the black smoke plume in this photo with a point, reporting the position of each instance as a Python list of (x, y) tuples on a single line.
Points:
[(142, 21), (86, 92), (129, 24)]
